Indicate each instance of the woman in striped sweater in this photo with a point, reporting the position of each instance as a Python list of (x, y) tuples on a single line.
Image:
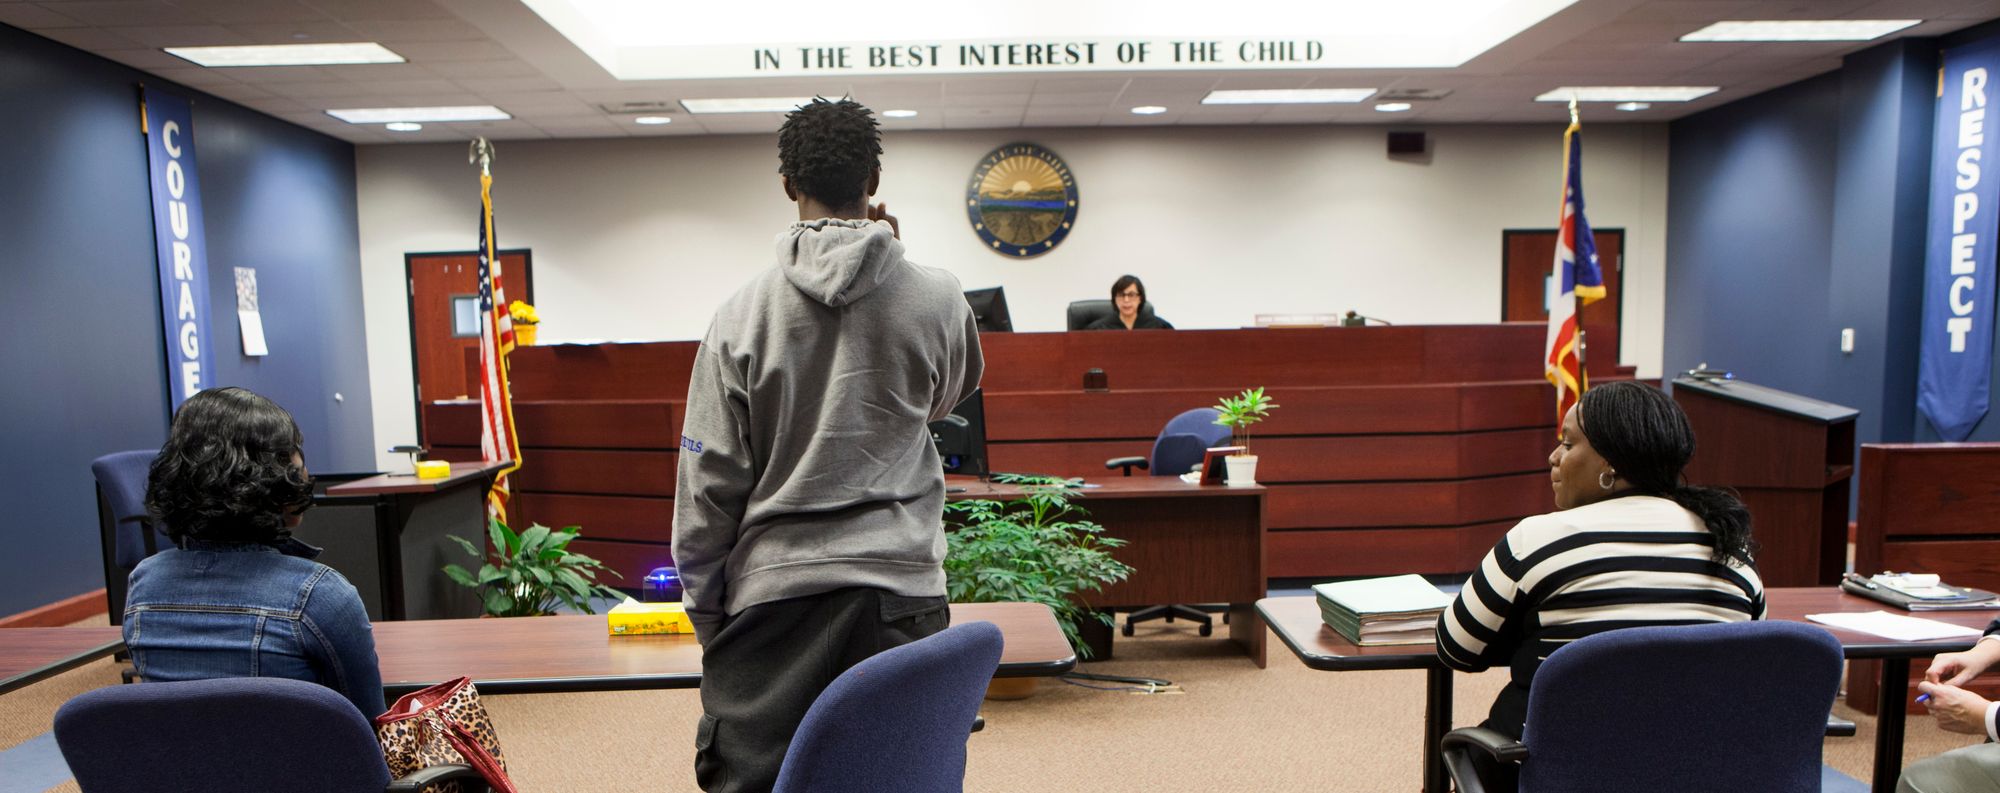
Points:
[(1631, 545)]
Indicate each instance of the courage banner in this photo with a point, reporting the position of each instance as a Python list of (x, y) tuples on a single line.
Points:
[(177, 235)]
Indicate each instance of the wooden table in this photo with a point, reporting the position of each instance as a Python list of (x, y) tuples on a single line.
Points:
[(31, 654), (397, 569), (1298, 623), (529, 655), (1186, 544)]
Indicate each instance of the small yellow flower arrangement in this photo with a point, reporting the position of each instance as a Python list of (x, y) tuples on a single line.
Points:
[(525, 321)]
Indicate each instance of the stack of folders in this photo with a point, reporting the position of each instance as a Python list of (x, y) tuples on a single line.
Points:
[(1919, 592), (1396, 610)]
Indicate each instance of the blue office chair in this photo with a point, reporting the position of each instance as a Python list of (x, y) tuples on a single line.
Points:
[(248, 734), (897, 722), (127, 534), (1181, 446), (1729, 706)]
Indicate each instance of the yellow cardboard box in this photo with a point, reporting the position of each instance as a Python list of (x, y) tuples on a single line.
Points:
[(632, 618)]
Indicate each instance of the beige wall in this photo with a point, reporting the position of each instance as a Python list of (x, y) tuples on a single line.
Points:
[(639, 239)]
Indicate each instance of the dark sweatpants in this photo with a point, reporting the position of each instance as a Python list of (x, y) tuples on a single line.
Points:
[(763, 669)]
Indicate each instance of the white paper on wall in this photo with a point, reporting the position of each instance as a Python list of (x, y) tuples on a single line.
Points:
[(247, 316)]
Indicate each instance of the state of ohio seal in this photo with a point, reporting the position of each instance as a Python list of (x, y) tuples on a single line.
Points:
[(1021, 200)]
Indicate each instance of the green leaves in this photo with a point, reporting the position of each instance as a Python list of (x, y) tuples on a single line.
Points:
[(1038, 549), (532, 572), (1241, 411)]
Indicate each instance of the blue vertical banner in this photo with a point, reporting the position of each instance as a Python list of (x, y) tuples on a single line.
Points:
[(179, 241)]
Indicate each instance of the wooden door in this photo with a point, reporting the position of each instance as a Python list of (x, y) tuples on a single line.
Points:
[(1526, 261), (444, 317)]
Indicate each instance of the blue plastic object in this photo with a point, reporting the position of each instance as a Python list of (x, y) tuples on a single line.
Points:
[(663, 585)]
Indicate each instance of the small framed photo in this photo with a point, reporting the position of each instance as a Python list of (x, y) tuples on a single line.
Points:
[(1211, 463)]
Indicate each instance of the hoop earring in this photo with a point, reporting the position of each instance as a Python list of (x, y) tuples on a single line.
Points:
[(1607, 480)]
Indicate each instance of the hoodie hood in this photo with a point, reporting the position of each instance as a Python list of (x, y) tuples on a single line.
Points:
[(838, 261)]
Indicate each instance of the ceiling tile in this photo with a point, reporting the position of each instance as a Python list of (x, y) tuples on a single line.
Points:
[(322, 31), (1061, 117), (380, 72), (182, 35), (480, 69), (145, 58), (427, 51), (550, 103), (507, 85), (133, 12), (417, 30), (90, 39), (32, 17), (261, 75), (987, 100), (195, 76), (1079, 85), (229, 12), (1096, 99), (381, 10)]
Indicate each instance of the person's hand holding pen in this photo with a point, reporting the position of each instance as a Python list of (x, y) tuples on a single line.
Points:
[(1955, 708)]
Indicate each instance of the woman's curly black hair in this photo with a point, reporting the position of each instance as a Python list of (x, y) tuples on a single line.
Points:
[(829, 149), (228, 473)]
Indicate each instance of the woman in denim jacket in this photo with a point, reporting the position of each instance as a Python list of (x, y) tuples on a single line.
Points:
[(240, 597)]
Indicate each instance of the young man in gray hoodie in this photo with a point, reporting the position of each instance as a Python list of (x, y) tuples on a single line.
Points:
[(808, 514)]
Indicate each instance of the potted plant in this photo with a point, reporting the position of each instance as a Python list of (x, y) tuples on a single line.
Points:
[(1040, 548), (526, 322), (1238, 413), (532, 572)]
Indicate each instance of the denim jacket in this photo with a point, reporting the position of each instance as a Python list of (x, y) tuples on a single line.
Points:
[(243, 610)]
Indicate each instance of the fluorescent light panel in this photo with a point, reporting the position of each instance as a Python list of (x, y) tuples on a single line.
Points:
[(383, 115), (763, 104), (1392, 107), (1288, 96), (899, 114), (1148, 110), (1799, 29), (287, 55), (1628, 93)]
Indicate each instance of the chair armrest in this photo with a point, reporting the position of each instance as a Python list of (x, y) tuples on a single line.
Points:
[(1487, 742), (1127, 463), (440, 773), (1837, 727)]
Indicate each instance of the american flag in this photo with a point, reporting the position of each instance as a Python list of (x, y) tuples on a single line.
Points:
[(1576, 277), (497, 442)]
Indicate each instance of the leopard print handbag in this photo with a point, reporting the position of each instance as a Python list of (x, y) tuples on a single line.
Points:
[(441, 725)]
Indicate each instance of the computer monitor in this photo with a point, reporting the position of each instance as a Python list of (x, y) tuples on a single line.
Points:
[(989, 308), (961, 437)]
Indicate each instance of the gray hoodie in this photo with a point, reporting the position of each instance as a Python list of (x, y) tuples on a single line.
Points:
[(805, 462)]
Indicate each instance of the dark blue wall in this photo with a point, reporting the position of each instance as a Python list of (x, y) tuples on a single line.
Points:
[(83, 374), (1799, 212)]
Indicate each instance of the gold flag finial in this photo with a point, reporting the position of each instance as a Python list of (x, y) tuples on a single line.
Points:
[(1574, 119), (481, 154)]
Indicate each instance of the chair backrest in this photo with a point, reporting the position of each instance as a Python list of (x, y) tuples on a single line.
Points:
[(1730, 706), (1084, 312), (121, 477), (218, 736), (897, 721), (1186, 440)]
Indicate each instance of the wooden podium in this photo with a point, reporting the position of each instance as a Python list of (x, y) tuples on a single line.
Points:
[(1791, 460), (396, 554)]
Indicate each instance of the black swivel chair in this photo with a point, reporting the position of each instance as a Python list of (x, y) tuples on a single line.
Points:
[(1182, 445), (1084, 312)]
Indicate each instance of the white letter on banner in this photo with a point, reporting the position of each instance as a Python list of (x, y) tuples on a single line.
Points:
[(176, 179), (1963, 207), (1961, 254), (1960, 286), (1971, 94), (1971, 128), (190, 343), (1968, 169), (184, 261), (186, 310), (190, 378), (167, 133), (177, 219), (1958, 327)]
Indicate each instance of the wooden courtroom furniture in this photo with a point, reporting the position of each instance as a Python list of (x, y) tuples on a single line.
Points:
[(1928, 508), (1790, 459), (1298, 623), (1408, 448), (398, 569), (534, 655)]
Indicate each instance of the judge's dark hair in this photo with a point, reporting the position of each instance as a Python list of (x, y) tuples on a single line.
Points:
[(1119, 285), (1645, 437), (226, 473), (829, 149)]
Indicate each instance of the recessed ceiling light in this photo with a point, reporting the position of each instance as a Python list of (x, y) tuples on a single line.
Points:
[(1627, 93), (403, 126), (287, 54), (763, 104), (1799, 29), (652, 121), (380, 115), (899, 114), (1392, 107), (1288, 96), (1632, 106), (1148, 110)]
